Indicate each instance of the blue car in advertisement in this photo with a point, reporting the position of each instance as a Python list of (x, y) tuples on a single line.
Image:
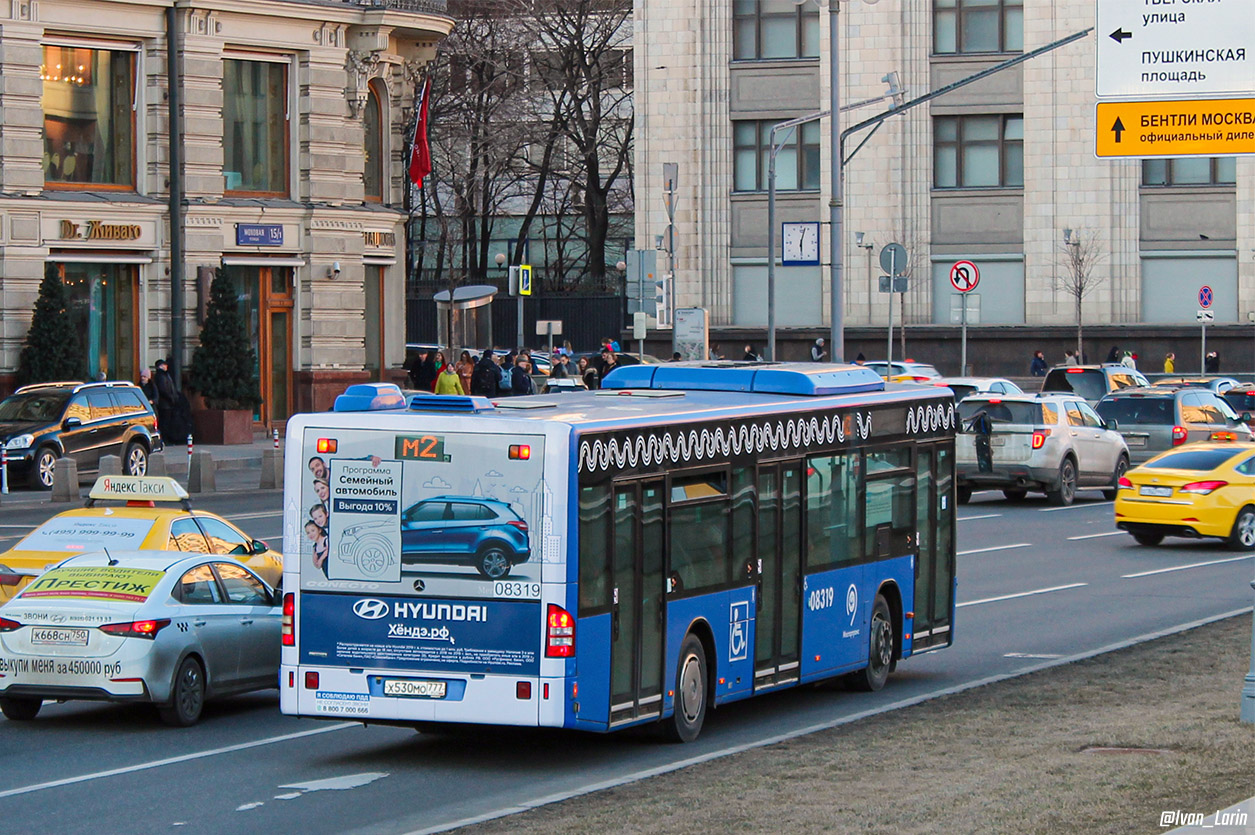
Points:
[(464, 530)]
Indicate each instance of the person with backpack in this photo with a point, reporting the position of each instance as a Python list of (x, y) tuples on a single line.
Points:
[(484, 378)]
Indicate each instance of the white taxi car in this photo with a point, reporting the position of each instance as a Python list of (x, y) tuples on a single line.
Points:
[(173, 629)]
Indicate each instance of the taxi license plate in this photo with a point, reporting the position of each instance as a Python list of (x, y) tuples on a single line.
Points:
[(59, 637), (1156, 491), (414, 689)]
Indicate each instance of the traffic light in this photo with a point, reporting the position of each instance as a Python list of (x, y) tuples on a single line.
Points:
[(662, 298)]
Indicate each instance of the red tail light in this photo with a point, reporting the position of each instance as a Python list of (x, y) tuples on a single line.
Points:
[(1125, 484), (289, 614), (520, 452), (7, 625), (136, 629), (1202, 488), (1039, 438), (523, 690), (520, 524), (1076, 370), (560, 635), (1179, 434), (311, 679), (326, 445)]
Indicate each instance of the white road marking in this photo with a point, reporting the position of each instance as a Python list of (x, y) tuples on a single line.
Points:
[(1019, 594), (288, 796), (1074, 507), (182, 758), (348, 781), (1095, 535), (1030, 655), (626, 779), (995, 548), (249, 806), (984, 516), (1183, 567)]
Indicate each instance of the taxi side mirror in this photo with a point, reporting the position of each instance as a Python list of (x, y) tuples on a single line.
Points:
[(1113, 425), (260, 547)]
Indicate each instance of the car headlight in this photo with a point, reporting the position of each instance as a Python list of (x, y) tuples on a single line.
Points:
[(20, 442)]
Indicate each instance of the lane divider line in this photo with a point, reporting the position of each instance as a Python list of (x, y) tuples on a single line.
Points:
[(615, 782), (1095, 535), (1019, 594), (182, 758), (1075, 507), (1183, 567), (995, 548), (985, 516)]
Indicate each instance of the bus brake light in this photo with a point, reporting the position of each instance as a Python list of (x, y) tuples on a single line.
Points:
[(520, 452), (560, 635), (326, 445), (289, 613)]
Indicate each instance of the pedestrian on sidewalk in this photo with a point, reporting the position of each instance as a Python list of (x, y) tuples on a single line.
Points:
[(1113, 356), (1170, 363), (1069, 358), (447, 381), (817, 350), (167, 398), (1038, 367), (1128, 361), (1212, 362)]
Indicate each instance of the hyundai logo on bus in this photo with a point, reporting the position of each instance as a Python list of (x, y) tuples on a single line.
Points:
[(370, 609)]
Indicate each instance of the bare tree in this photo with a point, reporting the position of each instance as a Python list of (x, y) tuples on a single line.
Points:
[(1080, 251)]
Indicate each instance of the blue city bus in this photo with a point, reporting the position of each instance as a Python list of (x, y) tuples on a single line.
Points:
[(687, 536)]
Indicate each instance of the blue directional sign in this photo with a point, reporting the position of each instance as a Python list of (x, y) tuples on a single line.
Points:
[(259, 234), (1204, 297)]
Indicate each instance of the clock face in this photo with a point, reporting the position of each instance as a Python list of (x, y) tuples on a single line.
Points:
[(800, 243)]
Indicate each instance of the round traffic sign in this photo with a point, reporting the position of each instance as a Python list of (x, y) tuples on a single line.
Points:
[(893, 258), (964, 276), (1204, 297)]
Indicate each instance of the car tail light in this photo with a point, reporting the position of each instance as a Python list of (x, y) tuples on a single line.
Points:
[(289, 614), (1076, 370), (7, 625), (518, 523), (137, 628), (1039, 438), (1179, 434), (560, 635), (995, 400), (520, 452), (1124, 483), (1202, 488), (326, 445)]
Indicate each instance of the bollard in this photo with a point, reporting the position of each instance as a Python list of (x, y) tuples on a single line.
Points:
[(200, 473), (275, 434), (271, 469), (157, 464), (111, 465), (189, 449), (4, 471), (65, 481)]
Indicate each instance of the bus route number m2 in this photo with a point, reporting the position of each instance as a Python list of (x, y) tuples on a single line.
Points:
[(420, 448), (821, 598)]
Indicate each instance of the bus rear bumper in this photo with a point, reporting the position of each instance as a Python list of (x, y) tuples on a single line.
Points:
[(355, 695)]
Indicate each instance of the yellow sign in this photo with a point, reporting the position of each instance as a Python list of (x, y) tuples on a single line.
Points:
[(1213, 127), (143, 488), (131, 585), (525, 279)]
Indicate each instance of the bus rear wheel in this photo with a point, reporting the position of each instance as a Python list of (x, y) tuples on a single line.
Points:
[(880, 649), (690, 692)]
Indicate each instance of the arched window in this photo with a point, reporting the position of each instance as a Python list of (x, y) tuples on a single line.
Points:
[(373, 152)]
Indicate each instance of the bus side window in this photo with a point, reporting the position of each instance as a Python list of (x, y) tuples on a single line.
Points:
[(699, 546), (594, 534), (832, 511)]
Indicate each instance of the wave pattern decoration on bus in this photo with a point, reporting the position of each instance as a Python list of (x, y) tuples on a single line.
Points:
[(930, 418), (694, 445)]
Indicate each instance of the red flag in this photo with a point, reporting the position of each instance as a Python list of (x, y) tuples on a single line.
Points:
[(420, 152)]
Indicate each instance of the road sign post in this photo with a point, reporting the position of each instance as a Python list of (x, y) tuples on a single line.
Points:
[(892, 259), (964, 277), (1205, 314)]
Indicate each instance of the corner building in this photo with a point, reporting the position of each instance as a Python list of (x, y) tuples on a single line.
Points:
[(294, 123), (993, 172)]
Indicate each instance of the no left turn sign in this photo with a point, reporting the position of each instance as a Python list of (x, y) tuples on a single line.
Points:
[(964, 276)]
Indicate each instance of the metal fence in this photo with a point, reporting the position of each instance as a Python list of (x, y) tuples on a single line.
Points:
[(586, 320)]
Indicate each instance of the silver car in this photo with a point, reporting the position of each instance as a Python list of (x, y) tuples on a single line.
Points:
[(1158, 418), (168, 628), (967, 386), (1046, 443)]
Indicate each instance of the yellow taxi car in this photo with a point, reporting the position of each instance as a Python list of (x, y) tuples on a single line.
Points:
[(1196, 490), (155, 514)]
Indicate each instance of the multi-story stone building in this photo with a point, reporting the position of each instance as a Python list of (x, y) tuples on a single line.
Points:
[(994, 172), (294, 122)]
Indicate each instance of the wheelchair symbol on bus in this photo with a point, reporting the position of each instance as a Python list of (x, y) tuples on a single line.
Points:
[(738, 634)]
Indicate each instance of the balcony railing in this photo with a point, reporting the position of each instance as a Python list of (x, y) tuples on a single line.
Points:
[(422, 6)]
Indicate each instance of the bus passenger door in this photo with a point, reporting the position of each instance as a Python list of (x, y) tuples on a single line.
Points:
[(638, 611), (779, 592), (934, 567)]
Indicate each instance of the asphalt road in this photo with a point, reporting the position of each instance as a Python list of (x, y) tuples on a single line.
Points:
[(1036, 584)]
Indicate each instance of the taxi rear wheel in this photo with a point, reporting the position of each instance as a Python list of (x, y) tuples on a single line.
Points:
[(20, 709), (1148, 538), (1243, 536), (187, 696)]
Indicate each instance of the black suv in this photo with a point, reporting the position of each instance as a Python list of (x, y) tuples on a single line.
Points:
[(42, 422)]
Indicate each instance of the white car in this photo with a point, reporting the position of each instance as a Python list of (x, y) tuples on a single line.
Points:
[(168, 628), (964, 386)]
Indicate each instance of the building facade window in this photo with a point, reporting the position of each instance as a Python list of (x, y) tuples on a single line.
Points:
[(797, 162), (373, 152), (978, 151), (1191, 171), (255, 127), (769, 29), (89, 122), (961, 26)]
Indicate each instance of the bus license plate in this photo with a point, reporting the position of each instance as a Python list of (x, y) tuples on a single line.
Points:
[(413, 688), (1156, 491), (59, 637)]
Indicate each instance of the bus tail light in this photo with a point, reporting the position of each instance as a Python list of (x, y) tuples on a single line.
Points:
[(1039, 438), (326, 445), (136, 629), (311, 679), (523, 690), (289, 614), (560, 634), (520, 452), (1179, 434), (1202, 488)]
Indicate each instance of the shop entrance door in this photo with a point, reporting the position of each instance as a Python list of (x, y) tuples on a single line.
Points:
[(265, 304)]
